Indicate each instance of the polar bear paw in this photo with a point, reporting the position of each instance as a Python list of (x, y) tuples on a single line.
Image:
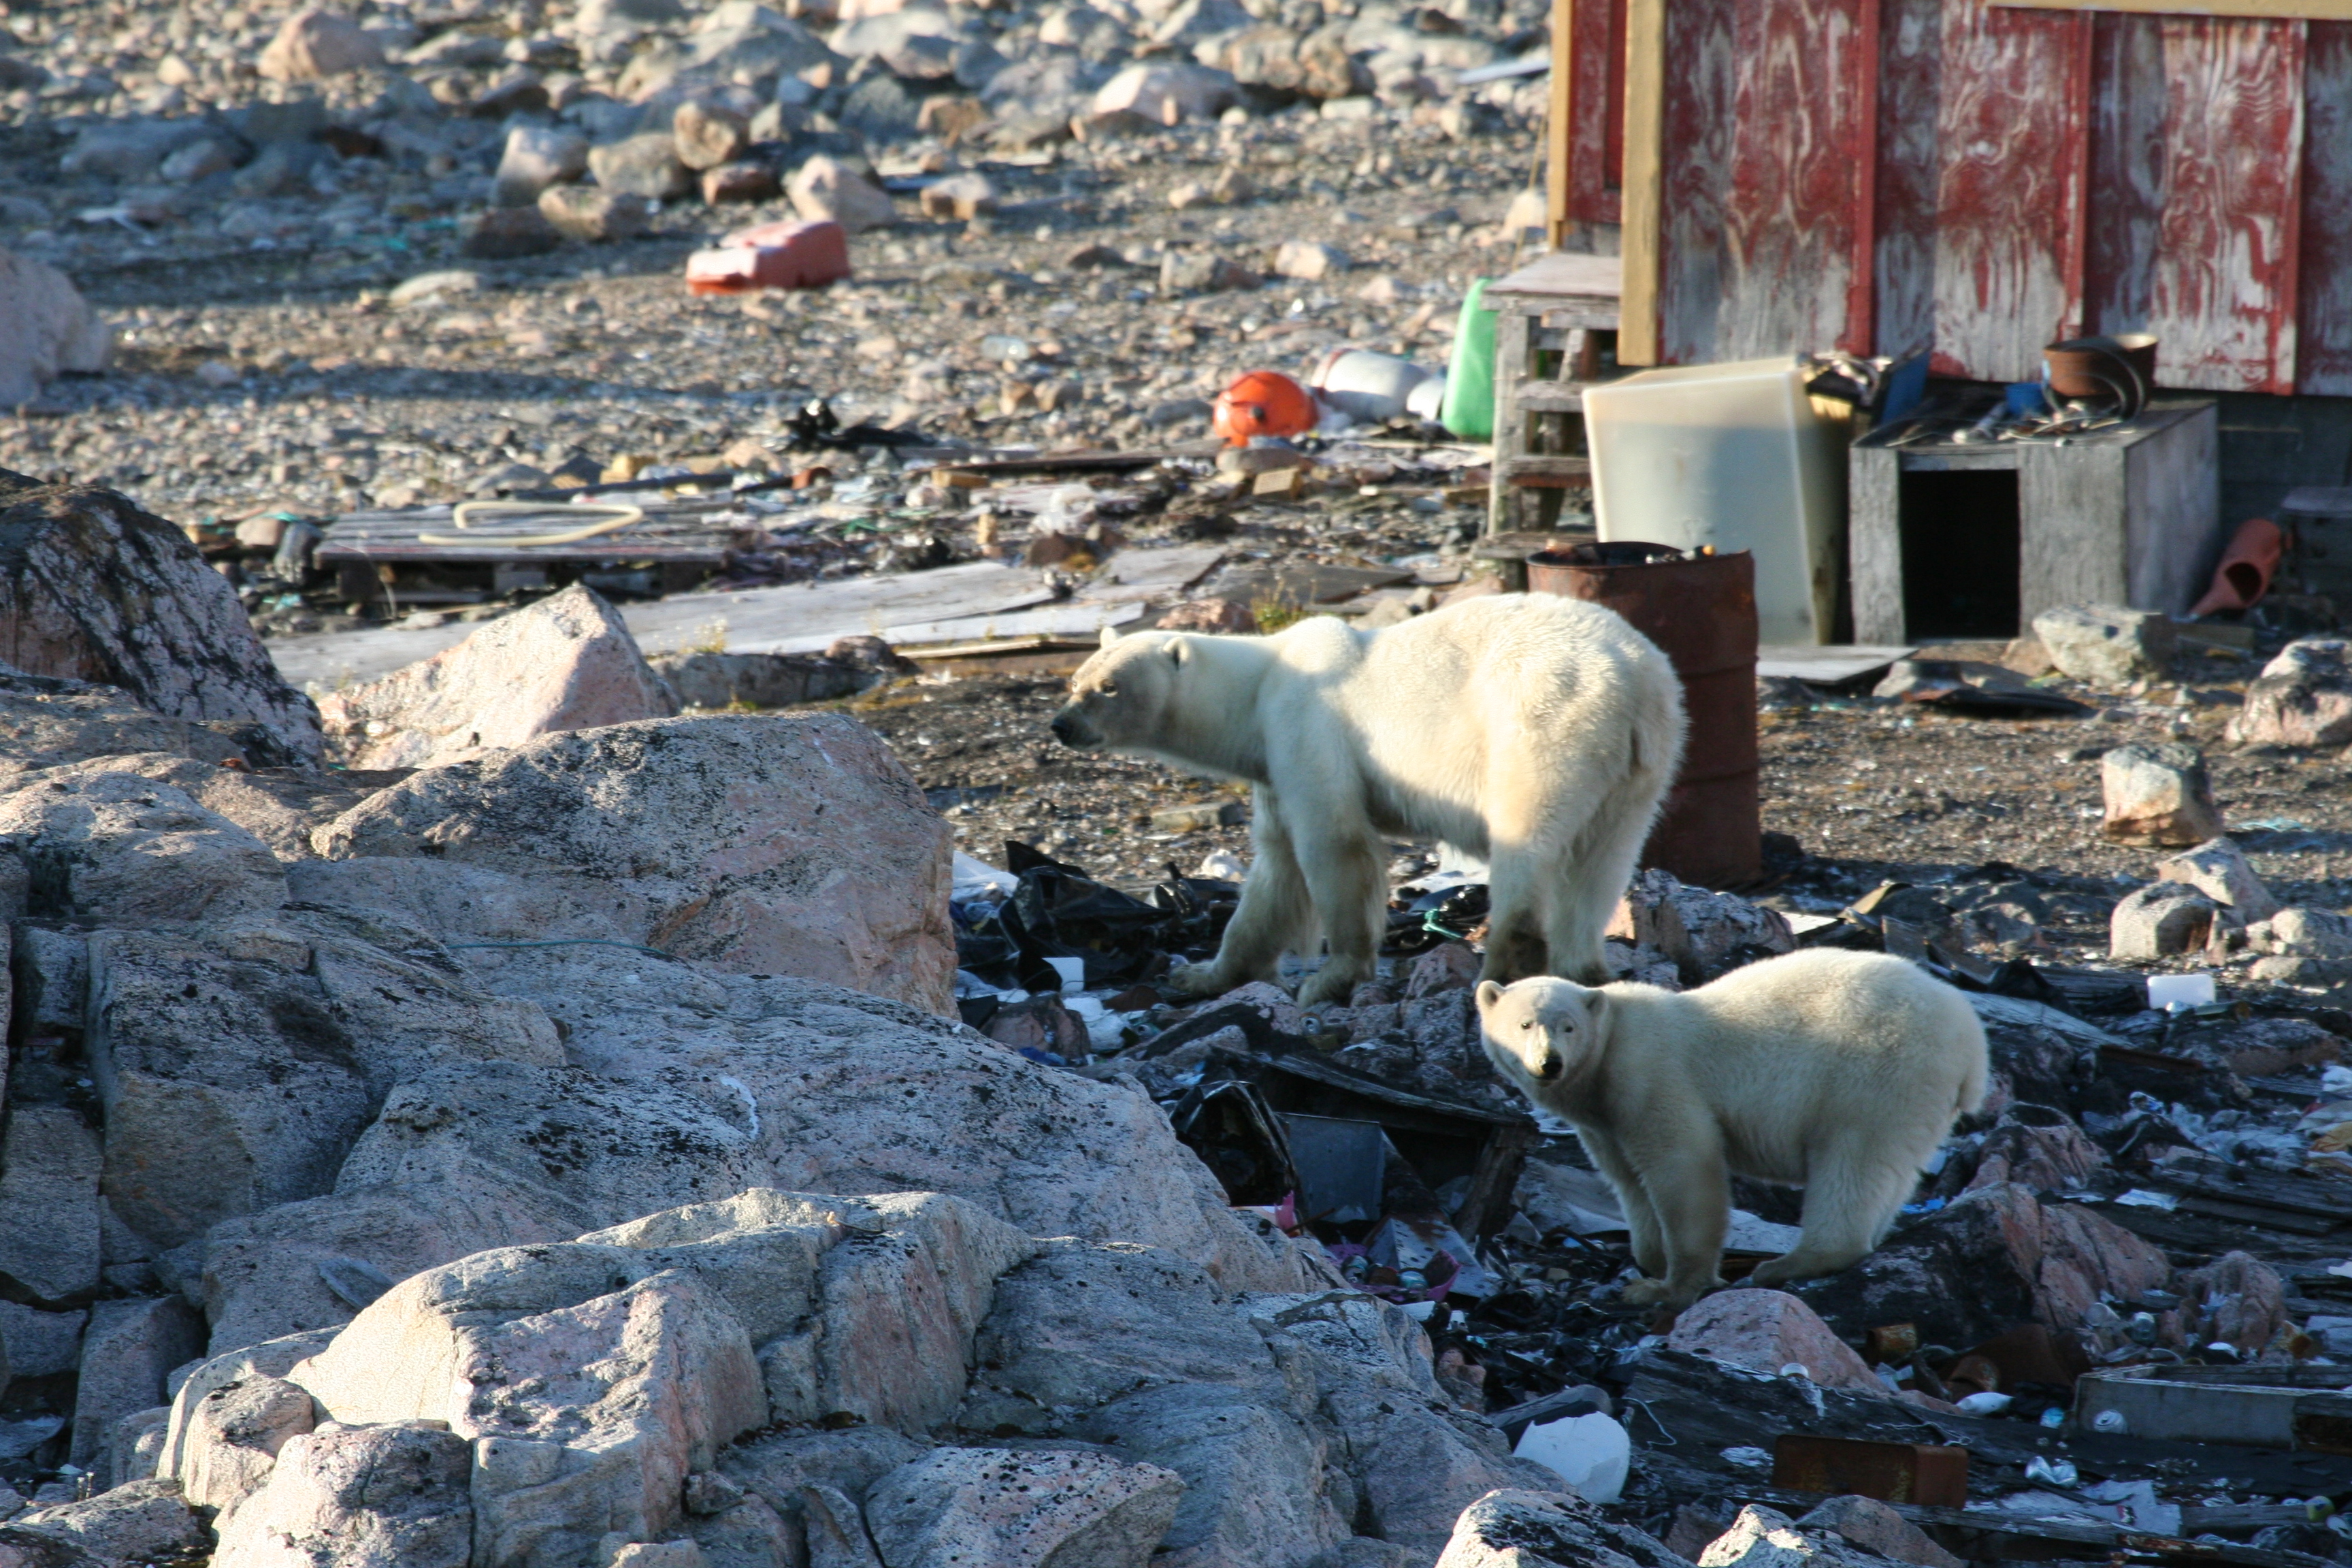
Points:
[(1198, 980), (1646, 1292)]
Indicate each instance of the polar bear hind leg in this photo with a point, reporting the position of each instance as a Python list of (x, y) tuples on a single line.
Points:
[(1852, 1195)]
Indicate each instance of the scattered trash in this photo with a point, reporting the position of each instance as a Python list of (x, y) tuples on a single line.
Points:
[(771, 256), (1591, 1452), (1263, 404)]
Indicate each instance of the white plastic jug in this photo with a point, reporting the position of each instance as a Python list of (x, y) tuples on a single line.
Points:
[(1591, 1452), (1731, 456), (1367, 386)]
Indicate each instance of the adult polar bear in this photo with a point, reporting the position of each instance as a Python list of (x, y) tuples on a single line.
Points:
[(1536, 731)]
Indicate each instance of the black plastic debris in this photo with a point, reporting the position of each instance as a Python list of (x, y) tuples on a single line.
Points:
[(1440, 915), (1059, 912), (1341, 1166), (814, 424)]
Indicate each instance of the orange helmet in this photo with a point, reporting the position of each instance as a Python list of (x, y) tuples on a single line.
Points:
[(1264, 402)]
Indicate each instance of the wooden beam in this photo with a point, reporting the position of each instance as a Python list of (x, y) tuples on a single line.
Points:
[(2282, 10), (1644, 180), (1559, 128)]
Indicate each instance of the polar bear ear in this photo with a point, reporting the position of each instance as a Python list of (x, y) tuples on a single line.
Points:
[(1488, 995), (1179, 650), (1107, 636)]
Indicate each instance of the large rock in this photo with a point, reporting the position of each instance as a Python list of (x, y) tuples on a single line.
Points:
[(2236, 1300), (2160, 920), (109, 848), (1006, 1507), (49, 1250), (281, 806), (46, 328), (567, 662), (394, 1495), (826, 190), (2219, 869), (1989, 1260), (1276, 60), (1875, 1527), (313, 45), (1766, 1538), (127, 1351), (1515, 1528), (535, 157), (1764, 1330), (35, 1344), (239, 1069), (645, 166), (2039, 1147), (93, 588), (146, 1521), (794, 845), (761, 680), (234, 1435), (2157, 795), (1703, 933), (2103, 644), (2302, 698)]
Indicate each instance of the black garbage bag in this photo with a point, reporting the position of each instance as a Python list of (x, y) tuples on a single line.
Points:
[(1059, 912), (1201, 908)]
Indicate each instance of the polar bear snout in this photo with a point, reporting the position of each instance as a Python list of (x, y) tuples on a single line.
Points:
[(1070, 727)]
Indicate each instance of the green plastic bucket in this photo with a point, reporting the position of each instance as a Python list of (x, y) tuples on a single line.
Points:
[(1469, 407)]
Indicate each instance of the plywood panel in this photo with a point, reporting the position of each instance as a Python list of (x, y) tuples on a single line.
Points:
[(2324, 295), (1698, 130), (1768, 177), (2127, 173), (1643, 181), (1593, 132), (2318, 10), (1908, 172), (2012, 116)]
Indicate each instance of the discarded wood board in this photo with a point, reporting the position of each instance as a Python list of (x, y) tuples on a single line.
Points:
[(1830, 664)]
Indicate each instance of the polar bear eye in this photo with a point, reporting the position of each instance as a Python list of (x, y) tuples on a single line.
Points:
[(1108, 688)]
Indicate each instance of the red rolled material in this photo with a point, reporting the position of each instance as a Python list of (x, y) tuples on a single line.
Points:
[(2245, 574)]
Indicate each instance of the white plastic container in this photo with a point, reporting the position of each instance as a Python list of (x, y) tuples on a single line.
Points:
[(1731, 456), (1591, 1452), (1368, 387)]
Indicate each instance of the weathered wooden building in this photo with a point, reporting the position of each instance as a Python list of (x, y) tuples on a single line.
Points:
[(1978, 180)]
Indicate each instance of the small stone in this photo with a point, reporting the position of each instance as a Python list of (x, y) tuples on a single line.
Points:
[(1166, 95), (2218, 868), (591, 214), (952, 118), (314, 45), (745, 180), (825, 189), (2105, 644), (2302, 698), (2160, 920), (1185, 272), (958, 196), (1309, 260), (1220, 616), (1176, 411), (1198, 817), (2159, 797), (503, 233), (199, 159), (707, 135), (644, 165), (535, 157), (429, 286)]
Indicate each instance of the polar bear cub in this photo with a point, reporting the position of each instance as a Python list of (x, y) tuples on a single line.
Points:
[(1837, 1071), (1538, 732)]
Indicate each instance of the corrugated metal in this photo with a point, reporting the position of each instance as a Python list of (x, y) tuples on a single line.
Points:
[(1905, 173)]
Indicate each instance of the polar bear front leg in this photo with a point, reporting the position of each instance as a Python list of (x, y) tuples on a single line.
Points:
[(1272, 911), (1345, 873), (1689, 1190)]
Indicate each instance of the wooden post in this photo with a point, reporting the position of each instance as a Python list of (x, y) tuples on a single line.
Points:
[(1645, 179), (1560, 124)]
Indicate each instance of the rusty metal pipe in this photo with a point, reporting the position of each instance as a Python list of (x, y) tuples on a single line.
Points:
[(1701, 611)]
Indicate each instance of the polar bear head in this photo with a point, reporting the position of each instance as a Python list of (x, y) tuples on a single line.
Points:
[(1125, 695), (1543, 1033)]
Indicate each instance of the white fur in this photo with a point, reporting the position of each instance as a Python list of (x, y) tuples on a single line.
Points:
[(1837, 1071), (1536, 732)]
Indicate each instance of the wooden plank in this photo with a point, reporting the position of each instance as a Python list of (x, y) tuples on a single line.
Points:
[(2323, 293), (1559, 126), (1595, 57), (2012, 126), (1644, 181), (1132, 576), (1908, 165), (1858, 149), (2172, 511), (2316, 10), (1563, 275), (1873, 488)]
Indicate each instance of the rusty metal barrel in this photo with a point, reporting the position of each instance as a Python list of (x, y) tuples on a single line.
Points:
[(1701, 611)]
